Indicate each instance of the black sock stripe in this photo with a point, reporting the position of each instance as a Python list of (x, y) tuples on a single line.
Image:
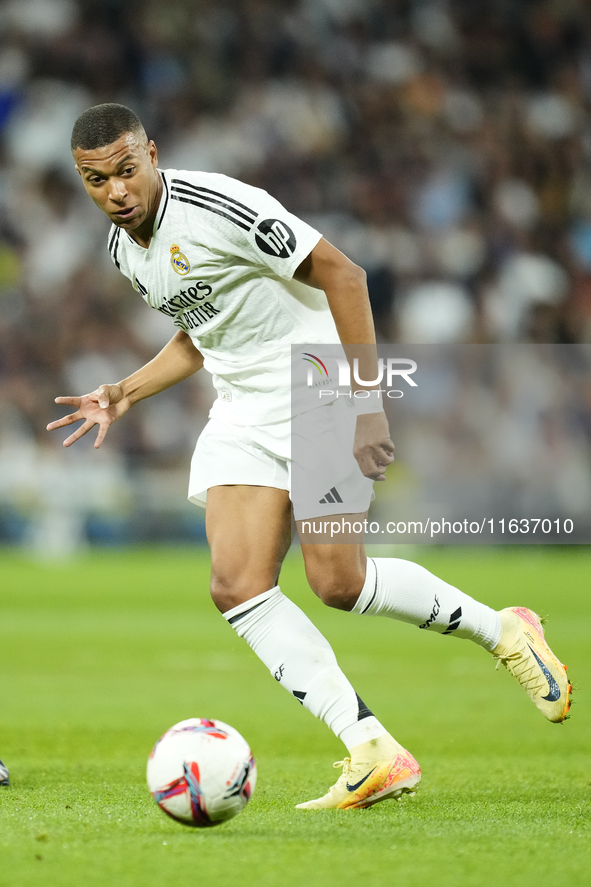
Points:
[(238, 616), (299, 695), (362, 710), (375, 588), (455, 615)]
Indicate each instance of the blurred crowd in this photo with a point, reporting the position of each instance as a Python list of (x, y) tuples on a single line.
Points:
[(493, 432), (444, 145)]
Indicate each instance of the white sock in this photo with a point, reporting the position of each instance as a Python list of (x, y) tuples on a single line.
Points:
[(302, 660), (406, 591)]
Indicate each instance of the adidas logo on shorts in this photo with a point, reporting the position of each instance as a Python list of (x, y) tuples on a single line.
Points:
[(331, 497)]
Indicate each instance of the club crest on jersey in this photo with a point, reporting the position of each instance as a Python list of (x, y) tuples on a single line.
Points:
[(179, 261)]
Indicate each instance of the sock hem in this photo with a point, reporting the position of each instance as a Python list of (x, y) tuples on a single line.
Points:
[(369, 591), (242, 609), (362, 731)]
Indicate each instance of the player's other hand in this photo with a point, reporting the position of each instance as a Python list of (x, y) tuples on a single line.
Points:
[(373, 447), (101, 407)]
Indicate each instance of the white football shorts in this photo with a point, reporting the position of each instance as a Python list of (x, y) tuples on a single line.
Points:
[(310, 455)]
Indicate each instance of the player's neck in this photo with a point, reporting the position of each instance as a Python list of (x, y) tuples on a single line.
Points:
[(143, 233)]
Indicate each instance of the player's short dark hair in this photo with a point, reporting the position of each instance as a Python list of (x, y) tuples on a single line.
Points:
[(103, 124)]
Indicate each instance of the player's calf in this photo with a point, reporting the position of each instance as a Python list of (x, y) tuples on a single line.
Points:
[(335, 573)]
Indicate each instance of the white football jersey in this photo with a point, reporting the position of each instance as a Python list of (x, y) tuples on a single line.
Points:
[(220, 264)]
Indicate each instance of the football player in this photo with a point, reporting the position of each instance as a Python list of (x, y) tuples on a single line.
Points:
[(243, 280)]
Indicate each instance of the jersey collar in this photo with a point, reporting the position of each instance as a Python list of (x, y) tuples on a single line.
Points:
[(159, 215), (163, 202)]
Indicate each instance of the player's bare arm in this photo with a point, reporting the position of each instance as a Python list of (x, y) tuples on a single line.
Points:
[(345, 285), (178, 360)]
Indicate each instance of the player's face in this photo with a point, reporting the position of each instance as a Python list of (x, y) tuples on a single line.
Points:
[(122, 180)]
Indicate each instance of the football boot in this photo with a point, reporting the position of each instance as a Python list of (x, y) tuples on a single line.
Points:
[(376, 771), (523, 650)]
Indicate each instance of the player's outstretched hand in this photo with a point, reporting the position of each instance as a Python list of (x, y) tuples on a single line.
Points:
[(101, 407), (373, 447)]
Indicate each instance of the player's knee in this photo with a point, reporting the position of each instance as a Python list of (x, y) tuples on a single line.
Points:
[(231, 587), (228, 591), (337, 591)]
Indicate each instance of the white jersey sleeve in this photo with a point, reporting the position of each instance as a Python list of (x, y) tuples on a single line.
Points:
[(251, 222)]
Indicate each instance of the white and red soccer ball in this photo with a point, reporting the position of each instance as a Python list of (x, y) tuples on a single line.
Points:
[(201, 772)]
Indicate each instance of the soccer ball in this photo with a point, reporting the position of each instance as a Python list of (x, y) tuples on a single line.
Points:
[(201, 772)]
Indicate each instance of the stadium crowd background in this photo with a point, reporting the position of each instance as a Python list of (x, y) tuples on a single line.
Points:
[(444, 146)]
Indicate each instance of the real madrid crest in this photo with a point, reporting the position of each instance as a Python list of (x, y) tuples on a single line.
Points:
[(179, 261)]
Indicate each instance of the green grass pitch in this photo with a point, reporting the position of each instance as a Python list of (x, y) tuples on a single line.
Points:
[(99, 657)]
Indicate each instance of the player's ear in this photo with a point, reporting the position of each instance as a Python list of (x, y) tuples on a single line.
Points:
[(77, 168), (153, 153)]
